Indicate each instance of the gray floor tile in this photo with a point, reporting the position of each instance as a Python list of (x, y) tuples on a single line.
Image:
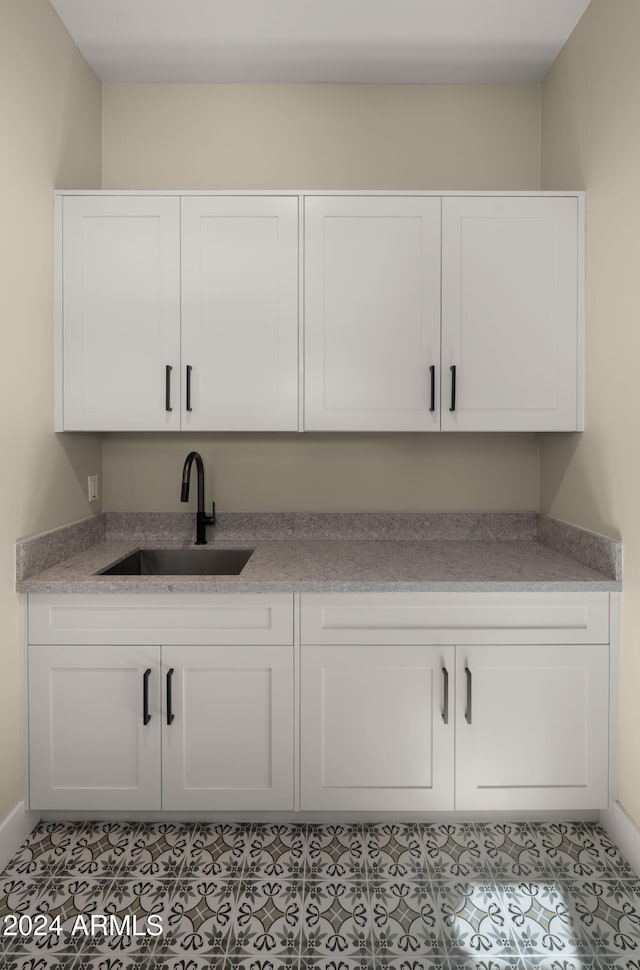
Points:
[(271, 896)]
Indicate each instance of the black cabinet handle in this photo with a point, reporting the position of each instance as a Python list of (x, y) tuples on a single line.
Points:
[(453, 388), (432, 372), (445, 688), (467, 710), (189, 369), (146, 717), (167, 388), (170, 714)]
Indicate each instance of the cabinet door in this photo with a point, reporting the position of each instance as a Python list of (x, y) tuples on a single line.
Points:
[(532, 727), (227, 735), (510, 314), (121, 313), (240, 313), (372, 313), (89, 747), (377, 728)]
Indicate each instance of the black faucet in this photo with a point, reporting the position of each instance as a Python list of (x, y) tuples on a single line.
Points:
[(202, 520)]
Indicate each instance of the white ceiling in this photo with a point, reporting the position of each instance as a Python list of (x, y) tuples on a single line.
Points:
[(285, 41)]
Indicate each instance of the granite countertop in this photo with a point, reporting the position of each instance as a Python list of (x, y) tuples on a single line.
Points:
[(331, 553)]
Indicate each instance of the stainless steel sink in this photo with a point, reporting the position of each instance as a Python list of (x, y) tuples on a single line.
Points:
[(181, 562)]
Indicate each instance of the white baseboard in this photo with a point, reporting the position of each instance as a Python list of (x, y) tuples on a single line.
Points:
[(13, 831), (624, 832)]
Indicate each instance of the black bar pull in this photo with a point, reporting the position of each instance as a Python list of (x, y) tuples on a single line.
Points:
[(167, 388), (170, 714), (432, 372), (453, 388), (467, 710), (189, 369), (146, 717), (445, 688)]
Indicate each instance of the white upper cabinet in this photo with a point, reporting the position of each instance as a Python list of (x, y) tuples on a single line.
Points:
[(511, 340), (120, 313), (240, 313), (173, 323), (489, 341), (372, 313), (422, 312)]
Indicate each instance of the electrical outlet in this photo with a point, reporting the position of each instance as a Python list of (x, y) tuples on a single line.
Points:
[(92, 488)]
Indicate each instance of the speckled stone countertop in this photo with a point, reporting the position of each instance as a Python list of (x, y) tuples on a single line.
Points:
[(330, 553)]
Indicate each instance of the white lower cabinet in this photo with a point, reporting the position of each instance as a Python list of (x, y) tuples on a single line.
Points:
[(227, 728), (407, 702), (532, 726), (118, 727), (89, 746), (377, 730), (392, 723)]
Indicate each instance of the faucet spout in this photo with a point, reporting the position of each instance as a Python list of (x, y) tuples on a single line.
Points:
[(202, 520)]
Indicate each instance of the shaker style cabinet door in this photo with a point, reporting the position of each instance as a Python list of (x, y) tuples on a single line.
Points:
[(120, 313), (227, 735), (372, 313), (511, 343), (532, 727), (377, 727), (94, 728), (240, 313)]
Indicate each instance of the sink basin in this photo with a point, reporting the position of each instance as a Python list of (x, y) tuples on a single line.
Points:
[(181, 562)]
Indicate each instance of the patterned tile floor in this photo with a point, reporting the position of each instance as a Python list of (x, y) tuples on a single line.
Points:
[(165, 896)]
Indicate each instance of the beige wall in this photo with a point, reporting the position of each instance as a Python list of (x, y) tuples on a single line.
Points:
[(321, 136), (324, 137), (328, 473), (50, 105), (591, 140)]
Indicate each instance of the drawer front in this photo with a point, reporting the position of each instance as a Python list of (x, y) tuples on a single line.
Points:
[(160, 619), (455, 618)]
